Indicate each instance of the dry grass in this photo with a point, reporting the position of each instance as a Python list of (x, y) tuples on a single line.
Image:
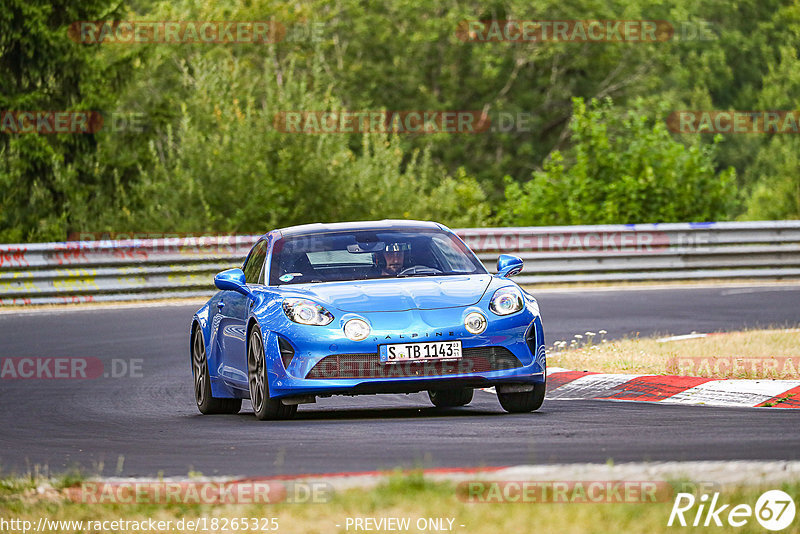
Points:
[(743, 354)]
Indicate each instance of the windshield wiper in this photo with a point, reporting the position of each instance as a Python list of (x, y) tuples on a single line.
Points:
[(421, 272)]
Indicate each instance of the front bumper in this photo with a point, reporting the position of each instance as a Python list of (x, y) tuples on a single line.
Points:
[(324, 362)]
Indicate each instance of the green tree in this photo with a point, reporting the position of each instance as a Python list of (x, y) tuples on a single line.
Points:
[(773, 190), (44, 179), (622, 167), (218, 164)]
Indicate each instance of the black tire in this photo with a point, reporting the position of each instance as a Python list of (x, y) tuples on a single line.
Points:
[(523, 402), (450, 398), (206, 403), (263, 407)]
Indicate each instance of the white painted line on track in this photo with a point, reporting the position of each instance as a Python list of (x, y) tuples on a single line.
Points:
[(680, 338), (745, 290)]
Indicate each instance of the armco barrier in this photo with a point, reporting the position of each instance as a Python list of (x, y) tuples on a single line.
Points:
[(140, 269), (133, 269)]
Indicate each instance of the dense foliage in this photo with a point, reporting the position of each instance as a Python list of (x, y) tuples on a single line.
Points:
[(579, 132)]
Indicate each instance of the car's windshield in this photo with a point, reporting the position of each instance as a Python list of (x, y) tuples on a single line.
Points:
[(369, 254)]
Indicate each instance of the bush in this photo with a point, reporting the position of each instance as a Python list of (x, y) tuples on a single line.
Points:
[(623, 167)]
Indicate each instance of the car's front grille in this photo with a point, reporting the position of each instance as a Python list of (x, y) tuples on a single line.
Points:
[(473, 360)]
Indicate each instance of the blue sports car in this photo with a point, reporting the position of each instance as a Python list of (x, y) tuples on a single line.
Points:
[(363, 308)]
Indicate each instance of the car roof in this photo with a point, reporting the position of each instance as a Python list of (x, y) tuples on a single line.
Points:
[(386, 224)]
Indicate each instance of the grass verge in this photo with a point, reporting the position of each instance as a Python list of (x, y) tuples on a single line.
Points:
[(411, 496), (748, 354)]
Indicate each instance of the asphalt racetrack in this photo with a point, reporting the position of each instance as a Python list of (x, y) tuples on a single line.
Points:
[(148, 425)]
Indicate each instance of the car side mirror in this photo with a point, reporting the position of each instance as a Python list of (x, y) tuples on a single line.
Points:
[(232, 280), (508, 265)]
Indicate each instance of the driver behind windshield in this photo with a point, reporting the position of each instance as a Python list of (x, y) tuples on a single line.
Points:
[(393, 259)]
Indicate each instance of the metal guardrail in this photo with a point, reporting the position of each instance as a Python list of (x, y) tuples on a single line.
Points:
[(141, 269)]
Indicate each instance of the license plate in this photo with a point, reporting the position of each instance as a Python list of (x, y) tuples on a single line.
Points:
[(432, 350)]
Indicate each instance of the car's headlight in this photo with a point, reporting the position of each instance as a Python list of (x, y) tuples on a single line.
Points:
[(356, 329), (506, 301), (305, 311)]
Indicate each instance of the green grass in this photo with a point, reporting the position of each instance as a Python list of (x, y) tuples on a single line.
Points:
[(412, 495)]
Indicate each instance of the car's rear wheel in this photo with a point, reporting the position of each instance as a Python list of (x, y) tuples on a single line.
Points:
[(450, 398), (263, 407), (206, 403), (523, 401)]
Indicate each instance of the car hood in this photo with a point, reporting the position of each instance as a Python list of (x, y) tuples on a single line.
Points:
[(398, 294)]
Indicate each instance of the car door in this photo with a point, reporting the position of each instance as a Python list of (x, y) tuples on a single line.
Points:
[(235, 310)]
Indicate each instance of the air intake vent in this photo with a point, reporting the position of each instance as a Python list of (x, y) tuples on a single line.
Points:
[(287, 352), (530, 338)]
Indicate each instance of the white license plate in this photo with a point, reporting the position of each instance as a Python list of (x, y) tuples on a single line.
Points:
[(431, 350)]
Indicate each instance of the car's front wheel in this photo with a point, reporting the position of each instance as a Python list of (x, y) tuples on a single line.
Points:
[(206, 403), (263, 407), (523, 401), (450, 398)]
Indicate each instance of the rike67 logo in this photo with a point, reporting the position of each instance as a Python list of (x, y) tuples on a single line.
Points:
[(774, 510)]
